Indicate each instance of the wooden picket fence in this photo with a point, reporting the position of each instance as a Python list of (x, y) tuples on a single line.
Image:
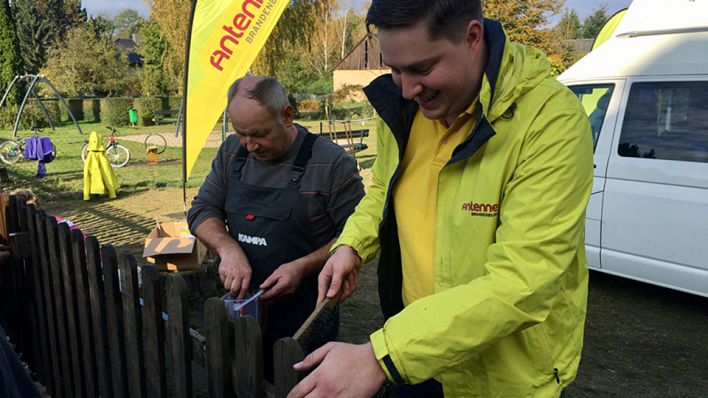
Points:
[(73, 309)]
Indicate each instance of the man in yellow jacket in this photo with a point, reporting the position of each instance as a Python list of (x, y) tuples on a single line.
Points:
[(483, 173)]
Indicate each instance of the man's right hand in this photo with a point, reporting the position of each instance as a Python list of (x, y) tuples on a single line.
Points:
[(235, 270), (341, 271)]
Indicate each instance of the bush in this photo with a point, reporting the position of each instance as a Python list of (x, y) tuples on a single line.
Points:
[(92, 110), (147, 107), (32, 115), (52, 107), (308, 105), (114, 111), (76, 106), (173, 102)]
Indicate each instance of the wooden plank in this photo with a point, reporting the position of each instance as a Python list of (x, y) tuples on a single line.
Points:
[(219, 348), (83, 304), (68, 276), (44, 358), (97, 296), (153, 333), (114, 321), (53, 382), (28, 299), (286, 353), (59, 308), (247, 368), (178, 337), (342, 134), (133, 326)]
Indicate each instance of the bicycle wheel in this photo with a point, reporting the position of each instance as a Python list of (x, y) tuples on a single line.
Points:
[(118, 155), (10, 152), (84, 152), (156, 141)]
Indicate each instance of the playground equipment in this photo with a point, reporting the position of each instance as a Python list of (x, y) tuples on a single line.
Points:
[(32, 80)]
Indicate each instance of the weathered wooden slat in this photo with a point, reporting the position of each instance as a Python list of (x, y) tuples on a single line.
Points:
[(59, 308), (219, 343), (53, 382), (178, 337), (133, 326), (44, 358), (28, 298), (83, 306), (12, 290), (68, 276), (247, 368), (114, 321), (153, 333), (286, 353), (98, 317)]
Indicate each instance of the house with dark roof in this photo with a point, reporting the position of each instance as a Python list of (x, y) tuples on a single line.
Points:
[(361, 65), (128, 46)]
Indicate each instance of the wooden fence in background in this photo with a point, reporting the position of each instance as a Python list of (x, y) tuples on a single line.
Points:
[(87, 328)]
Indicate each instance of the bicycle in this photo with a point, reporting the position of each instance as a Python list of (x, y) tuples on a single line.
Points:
[(11, 151), (155, 142), (117, 154)]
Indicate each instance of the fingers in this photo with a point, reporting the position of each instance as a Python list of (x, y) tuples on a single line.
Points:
[(314, 358), (304, 387), (244, 286), (323, 283)]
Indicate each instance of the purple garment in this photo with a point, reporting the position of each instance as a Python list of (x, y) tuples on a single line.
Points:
[(39, 149)]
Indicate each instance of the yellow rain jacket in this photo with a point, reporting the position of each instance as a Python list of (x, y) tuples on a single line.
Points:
[(508, 312), (99, 178)]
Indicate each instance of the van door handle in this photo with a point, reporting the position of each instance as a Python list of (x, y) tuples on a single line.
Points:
[(594, 166)]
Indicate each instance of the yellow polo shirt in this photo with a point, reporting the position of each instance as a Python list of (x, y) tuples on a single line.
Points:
[(429, 148)]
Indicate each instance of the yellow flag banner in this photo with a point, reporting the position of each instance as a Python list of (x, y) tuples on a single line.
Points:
[(225, 37)]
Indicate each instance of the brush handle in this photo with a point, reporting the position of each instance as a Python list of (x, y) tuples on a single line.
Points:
[(304, 329)]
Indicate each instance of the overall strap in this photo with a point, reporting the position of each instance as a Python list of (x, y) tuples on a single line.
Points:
[(241, 156), (303, 156)]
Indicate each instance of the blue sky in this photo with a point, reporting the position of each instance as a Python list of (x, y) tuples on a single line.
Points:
[(112, 7)]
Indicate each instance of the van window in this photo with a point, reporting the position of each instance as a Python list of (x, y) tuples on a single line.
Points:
[(666, 120), (595, 99)]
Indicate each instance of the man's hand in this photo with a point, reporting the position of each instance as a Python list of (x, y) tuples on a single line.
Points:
[(345, 370), (341, 271), (282, 282), (235, 270)]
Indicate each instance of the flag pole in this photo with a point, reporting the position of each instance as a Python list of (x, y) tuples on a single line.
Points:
[(184, 107)]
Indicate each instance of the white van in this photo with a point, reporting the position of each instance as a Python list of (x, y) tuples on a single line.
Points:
[(646, 93)]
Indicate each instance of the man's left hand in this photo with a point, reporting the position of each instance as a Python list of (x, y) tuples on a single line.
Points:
[(282, 282), (345, 370)]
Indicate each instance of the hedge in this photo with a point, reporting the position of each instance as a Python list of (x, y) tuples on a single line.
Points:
[(92, 110), (114, 111), (147, 107)]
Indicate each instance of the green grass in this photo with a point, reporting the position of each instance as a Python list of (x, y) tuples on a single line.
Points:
[(64, 178)]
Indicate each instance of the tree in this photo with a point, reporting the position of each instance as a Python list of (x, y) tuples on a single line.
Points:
[(41, 24), (569, 26), (172, 16), (527, 22), (594, 22), (89, 64), (127, 22), (152, 47), (10, 59)]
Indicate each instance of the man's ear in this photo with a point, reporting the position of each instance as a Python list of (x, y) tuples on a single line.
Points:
[(288, 115), (474, 34)]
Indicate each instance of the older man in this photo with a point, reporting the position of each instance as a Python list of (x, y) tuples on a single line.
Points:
[(273, 203)]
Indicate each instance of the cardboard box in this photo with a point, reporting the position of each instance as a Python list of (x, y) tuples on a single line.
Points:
[(171, 247)]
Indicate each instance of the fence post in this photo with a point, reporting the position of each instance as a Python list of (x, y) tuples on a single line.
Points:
[(53, 379), (40, 290), (286, 352), (178, 337), (98, 316), (88, 357), (133, 326), (60, 305), (219, 348), (153, 333), (68, 276), (247, 370), (114, 318)]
